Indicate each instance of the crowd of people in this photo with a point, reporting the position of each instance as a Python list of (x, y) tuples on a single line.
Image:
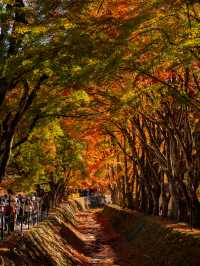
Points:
[(21, 210), (94, 197)]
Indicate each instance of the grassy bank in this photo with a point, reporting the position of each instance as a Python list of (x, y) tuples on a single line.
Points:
[(155, 241), (45, 244)]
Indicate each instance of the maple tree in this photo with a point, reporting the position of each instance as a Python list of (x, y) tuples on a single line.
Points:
[(121, 81), (160, 103)]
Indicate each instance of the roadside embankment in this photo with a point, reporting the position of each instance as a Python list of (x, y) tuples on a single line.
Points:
[(45, 244), (155, 241)]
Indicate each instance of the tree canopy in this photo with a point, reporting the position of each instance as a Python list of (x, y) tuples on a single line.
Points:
[(107, 90)]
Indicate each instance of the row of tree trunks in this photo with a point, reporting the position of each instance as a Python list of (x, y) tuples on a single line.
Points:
[(165, 159)]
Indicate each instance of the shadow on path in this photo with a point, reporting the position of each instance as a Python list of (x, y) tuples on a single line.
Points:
[(82, 239), (103, 246)]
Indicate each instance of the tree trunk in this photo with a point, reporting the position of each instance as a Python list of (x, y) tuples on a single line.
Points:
[(149, 207), (6, 147), (137, 193), (165, 203), (174, 204), (155, 196), (195, 211), (143, 199)]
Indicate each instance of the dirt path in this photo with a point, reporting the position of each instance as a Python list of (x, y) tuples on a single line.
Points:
[(90, 241), (101, 245)]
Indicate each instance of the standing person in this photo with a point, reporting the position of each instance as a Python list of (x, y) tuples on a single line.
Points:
[(38, 208), (18, 206), (5, 197), (12, 214), (2, 213), (26, 211), (30, 209), (39, 191), (35, 210), (8, 212)]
